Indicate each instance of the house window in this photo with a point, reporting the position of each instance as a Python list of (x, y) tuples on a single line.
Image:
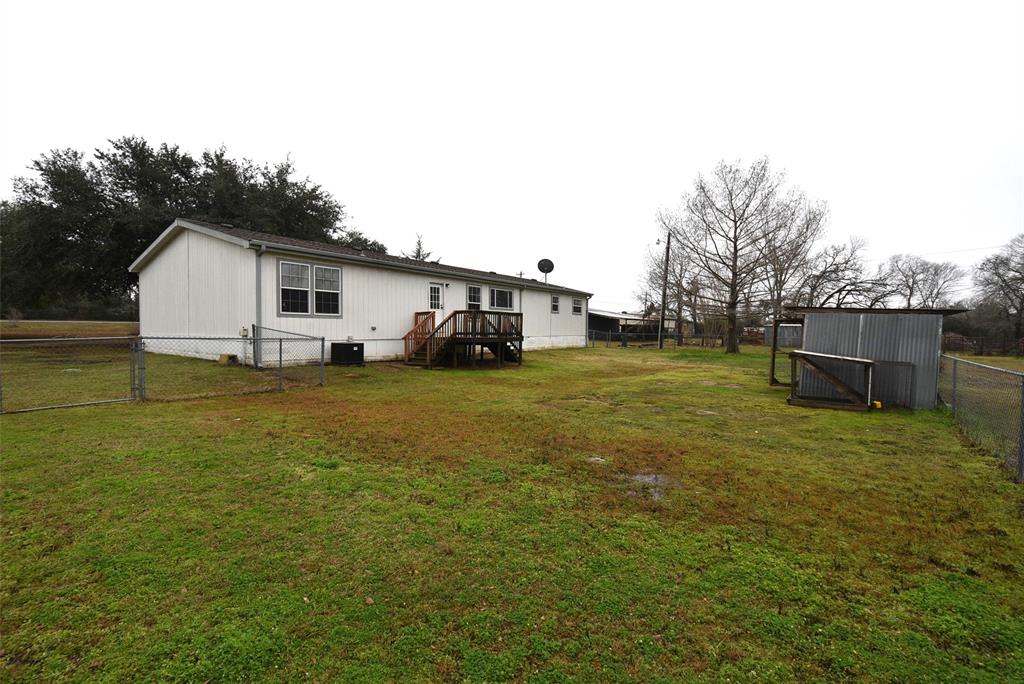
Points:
[(294, 288), (326, 290), (501, 299), (554, 304), (577, 306), (473, 297), (435, 301)]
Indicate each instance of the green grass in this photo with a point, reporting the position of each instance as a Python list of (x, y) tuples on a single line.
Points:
[(403, 524), (37, 329), (1014, 363)]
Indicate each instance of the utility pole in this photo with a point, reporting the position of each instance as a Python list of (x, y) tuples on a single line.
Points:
[(664, 294)]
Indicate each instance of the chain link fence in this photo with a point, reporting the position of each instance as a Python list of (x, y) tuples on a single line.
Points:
[(59, 372), (988, 405), (604, 338)]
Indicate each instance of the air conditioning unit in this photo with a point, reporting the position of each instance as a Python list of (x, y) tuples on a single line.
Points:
[(347, 353)]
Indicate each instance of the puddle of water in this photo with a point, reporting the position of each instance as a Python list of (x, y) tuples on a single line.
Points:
[(653, 486)]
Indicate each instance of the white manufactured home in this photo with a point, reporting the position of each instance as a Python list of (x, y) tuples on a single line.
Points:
[(200, 279)]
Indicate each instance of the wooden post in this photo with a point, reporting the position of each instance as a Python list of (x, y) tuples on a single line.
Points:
[(793, 382), (775, 348)]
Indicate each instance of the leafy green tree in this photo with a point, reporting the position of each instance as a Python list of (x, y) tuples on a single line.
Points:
[(75, 224)]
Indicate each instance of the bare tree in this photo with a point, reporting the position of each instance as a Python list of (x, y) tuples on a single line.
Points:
[(837, 276), (683, 289), (1000, 280), (723, 226), (907, 274), (798, 226), (920, 283), (939, 283)]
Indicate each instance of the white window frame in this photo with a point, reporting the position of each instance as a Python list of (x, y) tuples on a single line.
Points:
[(440, 296), (316, 289), (555, 304), (577, 303), (479, 297), (511, 298), (281, 286)]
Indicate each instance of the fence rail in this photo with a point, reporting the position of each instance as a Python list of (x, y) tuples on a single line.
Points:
[(37, 374), (599, 338), (988, 405)]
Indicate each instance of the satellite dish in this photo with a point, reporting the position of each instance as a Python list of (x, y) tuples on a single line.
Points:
[(545, 266)]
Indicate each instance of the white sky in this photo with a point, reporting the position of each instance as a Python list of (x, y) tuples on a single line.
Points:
[(506, 133)]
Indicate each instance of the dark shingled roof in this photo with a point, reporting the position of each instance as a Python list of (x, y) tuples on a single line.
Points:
[(282, 242)]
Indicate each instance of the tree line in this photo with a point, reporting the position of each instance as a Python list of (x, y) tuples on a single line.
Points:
[(77, 221), (746, 245)]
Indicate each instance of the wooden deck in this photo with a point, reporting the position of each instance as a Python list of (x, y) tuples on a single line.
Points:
[(464, 335)]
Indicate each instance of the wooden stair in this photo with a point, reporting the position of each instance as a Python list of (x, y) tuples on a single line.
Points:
[(461, 335)]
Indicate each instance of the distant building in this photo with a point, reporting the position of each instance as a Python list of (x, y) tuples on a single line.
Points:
[(599, 320)]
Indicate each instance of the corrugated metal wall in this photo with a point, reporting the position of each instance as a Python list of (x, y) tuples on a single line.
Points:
[(907, 347), (790, 334)]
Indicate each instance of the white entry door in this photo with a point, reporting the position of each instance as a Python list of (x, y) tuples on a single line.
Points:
[(436, 297)]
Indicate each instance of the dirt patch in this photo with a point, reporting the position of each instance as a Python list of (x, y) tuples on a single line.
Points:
[(712, 383)]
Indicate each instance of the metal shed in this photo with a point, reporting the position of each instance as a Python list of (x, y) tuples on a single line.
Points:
[(790, 334), (905, 345)]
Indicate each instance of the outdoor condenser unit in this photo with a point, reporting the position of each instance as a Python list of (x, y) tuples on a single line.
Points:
[(347, 353)]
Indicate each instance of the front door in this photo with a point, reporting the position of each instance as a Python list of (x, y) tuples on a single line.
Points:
[(436, 297)]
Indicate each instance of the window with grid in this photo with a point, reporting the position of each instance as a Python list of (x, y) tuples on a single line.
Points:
[(501, 299), (554, 304), (577, 306), (473, 297), (435, 296), (294, 287), (327, 290)]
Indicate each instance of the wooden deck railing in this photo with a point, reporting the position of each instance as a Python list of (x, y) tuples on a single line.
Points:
[(474, 327), (421, 330)]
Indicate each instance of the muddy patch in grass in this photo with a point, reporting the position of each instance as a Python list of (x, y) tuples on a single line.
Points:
[(649, 485), (712, 383)]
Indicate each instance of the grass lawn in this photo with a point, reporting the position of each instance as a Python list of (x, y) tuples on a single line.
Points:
[(33, 329), (1014, 363), (598, 514)]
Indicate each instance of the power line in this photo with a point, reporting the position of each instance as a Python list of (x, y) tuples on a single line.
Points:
[(957, 251)]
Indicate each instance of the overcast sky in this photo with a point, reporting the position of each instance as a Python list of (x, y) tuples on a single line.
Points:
[(509, 132)]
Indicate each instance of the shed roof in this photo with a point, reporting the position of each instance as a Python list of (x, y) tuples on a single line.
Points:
[(856, 310), (252, 238)]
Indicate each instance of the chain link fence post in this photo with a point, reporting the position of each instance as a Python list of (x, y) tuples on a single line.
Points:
[(1020, 437), (953, 401), (323, 344), (140, 373), (280, 365), (131, 362)]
